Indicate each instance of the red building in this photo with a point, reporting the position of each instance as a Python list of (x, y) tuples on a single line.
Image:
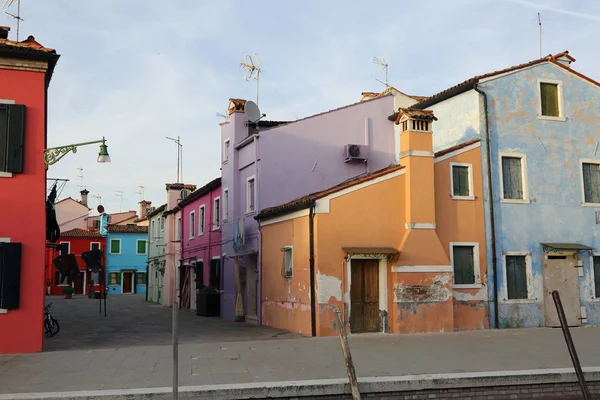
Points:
[(77, 242), (25, 71)]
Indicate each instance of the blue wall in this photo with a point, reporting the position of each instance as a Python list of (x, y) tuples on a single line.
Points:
[(553, 172), (128, 260)]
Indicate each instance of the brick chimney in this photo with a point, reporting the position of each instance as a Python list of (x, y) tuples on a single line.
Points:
[(4, 32), (84, 197), (144, 205)]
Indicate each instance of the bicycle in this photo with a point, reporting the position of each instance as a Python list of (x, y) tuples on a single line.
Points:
[(51, 326)]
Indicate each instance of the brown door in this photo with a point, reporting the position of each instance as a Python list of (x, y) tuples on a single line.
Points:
[(560, 273), (364, 296), (79, 283), (127, 282)]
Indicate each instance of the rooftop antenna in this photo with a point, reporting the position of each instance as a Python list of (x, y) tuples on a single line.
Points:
[(140, 191), (120, 194), (9, 3), (224, 115), (179, 156), (98, 197), (252, 67), (540, 24), (384, 65), (80, 175)]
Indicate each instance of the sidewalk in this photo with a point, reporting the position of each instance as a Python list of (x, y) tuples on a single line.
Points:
[(374, 355)]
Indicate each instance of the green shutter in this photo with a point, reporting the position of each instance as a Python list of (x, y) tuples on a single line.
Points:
[(141, 247), (460, 181), (597, 275), (464, 265), (516, 277), (549, 93), (16, 138), (115, 246)]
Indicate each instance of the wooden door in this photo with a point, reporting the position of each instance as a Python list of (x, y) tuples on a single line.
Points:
[(364, 296), (127, 282), (80, 283), (560, 273)]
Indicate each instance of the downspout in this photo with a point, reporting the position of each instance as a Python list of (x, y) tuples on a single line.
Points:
[(259, 251), (311, 240), (180, 257), (490, 202)]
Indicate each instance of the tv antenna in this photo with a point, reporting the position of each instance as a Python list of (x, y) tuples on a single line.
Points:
[(9, 3), (179, 156), (140, 191), (225, 116), (540, 24), (384, 66), (252, 67), (120, 194), (80, 176), (98, 197)]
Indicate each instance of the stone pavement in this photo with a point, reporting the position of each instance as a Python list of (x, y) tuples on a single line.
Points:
[(217, 362)]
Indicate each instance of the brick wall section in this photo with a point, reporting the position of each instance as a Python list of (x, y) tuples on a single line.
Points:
[(553, 391)]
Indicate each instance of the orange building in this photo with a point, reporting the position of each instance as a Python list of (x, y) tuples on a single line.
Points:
[(25, 71), (400, 250)]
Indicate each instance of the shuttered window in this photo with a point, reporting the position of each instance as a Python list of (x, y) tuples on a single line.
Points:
[(141, 247), (516, 277), (12, 137), (140, 278), (464, 265), (215, 273), (287, 268), (115, 246), (460, 181), (597, 275), (512, 177), (591, 182), (549, 94)]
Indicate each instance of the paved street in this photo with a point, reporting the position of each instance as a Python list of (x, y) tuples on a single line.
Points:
[(131, 321), (221, 362)]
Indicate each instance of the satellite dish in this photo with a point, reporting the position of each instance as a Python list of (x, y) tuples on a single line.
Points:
[(100, 209), (252, 112)]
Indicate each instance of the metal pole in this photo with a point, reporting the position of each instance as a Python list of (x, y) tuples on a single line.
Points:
[(178, 151), (347, 355), (570, 345)]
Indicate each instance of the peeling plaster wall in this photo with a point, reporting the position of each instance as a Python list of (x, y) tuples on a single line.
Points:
[(286, 302), (553, 173)]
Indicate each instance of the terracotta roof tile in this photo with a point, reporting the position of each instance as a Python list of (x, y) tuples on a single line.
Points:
[(157, 211), (28, 44), (80, 233), (180, 186), (416, 113), (209, 187), (457, 147), (236, 105), (126, 229)]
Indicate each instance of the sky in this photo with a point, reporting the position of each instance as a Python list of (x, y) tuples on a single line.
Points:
[(137, 71)]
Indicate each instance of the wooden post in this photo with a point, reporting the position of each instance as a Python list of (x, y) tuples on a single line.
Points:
[(347, 356)]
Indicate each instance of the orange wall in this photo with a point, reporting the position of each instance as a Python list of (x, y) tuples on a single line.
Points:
[(23, 216), (463, 221), (286, 302)]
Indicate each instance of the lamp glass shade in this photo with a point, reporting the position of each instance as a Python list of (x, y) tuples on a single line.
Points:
[(103, 156)]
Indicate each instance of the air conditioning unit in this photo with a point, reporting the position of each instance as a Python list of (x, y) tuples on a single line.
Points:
[(356, 153), (185, 193)]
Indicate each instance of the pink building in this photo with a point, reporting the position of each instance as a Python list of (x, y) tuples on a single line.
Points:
[(202, 216)]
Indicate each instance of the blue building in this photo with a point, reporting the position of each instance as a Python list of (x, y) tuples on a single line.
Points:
[(538, 126), (126, 257)]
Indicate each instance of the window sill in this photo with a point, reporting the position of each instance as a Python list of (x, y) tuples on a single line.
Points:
[(249, 213), (191, 237), (548, 118), (3, 311), (468, 286), (519, 301), (201, 234), (6, 174), (463, 197), (597, 205), (225, 162), (515, 201)]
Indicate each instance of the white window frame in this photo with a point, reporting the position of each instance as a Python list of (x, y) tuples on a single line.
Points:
[(225, 151), (523, 157), (136, 246), (581, 162), (110, 246), (192, 224), (225, 206), (162, 224), (68, 247), (561, 112), (529, 273), (201, 219), (178, 225), (215, 215), (152, 230), (98, 243), (471, 195), (593, 296), (476, 266), (248, 210), (283, 249)]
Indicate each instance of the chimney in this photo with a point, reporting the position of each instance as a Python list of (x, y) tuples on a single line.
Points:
[(84, 197), (174, 193), (144, 205), (4, 32)]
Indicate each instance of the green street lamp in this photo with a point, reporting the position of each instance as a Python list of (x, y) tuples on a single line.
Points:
[(54, 154)]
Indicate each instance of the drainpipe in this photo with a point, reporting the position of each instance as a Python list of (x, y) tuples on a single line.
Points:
[(490, 202), (259, 251), (311, 239)]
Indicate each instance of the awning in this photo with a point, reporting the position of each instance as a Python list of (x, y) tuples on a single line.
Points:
[(554, 247), (383, 252)]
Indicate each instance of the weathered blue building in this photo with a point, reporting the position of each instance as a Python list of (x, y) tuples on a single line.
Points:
[(126, 258), (539, 125)]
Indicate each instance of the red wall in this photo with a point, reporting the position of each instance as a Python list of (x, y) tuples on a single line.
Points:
[(23, 215)]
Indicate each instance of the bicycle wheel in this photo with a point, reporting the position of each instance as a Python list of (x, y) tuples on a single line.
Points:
[(48, 328), (54, 326)]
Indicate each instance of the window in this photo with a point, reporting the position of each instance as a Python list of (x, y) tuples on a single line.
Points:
[(65, 247), (141, 246), (178, 232), (250, 195), (152, 231), (591, 182), (201, 220), (225, 151), (140, 278), (550, 103), (61, 280), (225, 204), (115, 246), (199, 271), (288, 262), (95, 246), (597, 275), (461, 181), (12, 137), (96, 224), (215, 273), (114, 278), (465, 262), (516, 277), (162, 224), (95, 278), (217, 213), (513, 178), (192, 224)]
